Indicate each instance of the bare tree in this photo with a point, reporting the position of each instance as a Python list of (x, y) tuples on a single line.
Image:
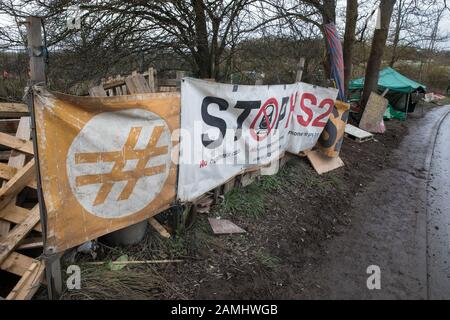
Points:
[(349, 40), (315, 12), (413, 23), (377, 50), (200, 31)]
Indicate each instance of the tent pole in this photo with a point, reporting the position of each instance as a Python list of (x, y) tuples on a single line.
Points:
[(407, 104)]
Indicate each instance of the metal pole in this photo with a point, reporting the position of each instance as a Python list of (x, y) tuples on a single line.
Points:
[(407, 105)]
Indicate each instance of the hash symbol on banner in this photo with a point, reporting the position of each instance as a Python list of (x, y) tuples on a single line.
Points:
[(120, 158)]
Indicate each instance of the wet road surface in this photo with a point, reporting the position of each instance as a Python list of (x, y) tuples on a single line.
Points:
[(439, 216), (400, 224)]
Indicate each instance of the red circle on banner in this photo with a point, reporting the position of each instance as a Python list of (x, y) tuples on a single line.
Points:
[(270, 124)]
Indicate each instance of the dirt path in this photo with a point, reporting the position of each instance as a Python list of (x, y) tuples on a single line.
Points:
[(389, 228), (308, 236)]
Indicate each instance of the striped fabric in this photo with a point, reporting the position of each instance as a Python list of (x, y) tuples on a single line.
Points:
[(336, 58)]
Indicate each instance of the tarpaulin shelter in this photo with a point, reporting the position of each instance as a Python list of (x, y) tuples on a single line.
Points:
[(403, 93)]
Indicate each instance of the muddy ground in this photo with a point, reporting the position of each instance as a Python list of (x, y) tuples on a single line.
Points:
[(290, 220)]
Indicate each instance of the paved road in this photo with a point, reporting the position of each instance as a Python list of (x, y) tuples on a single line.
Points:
[(401, 224), (439, 216)]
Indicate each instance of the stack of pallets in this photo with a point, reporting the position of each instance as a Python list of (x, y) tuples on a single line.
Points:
[(146, 82), (20, 231)]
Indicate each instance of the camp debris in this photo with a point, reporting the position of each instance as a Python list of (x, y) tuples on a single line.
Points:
[(224, 226), (357, 134), (391, 113), (372, 118), (323, 164), (403, 93)]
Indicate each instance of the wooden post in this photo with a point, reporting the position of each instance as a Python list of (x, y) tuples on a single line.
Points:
[(300, 67), (37, 77), (36, 50), (97, 91), (151, 79), (180, 75)]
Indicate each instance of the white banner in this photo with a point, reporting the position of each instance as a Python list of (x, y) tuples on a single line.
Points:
[(227, 129)]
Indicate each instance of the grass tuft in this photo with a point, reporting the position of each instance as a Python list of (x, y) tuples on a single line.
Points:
[(266, 259), (247, 202), (99, 283)]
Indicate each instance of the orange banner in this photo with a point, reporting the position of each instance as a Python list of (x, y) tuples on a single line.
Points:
[(105, 162)]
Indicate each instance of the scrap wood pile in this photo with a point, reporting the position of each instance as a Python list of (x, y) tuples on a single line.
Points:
[(146, 82), (20, 231)]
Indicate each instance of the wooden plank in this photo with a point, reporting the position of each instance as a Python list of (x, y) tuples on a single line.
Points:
[(224, 226), (357, 133), (118, 91), (204, 203), (372, 118), (322, 163), (247, 178), (7, 173), (17, 215), (16, 143), (151, 79), (17, 160), (168, 82), (158, 227), (20, 180), (12, 240), (9, 125), (13, 110), (29, 283), (113, 83), (16, 263), (31, 243), (97, 91), (216, 193), (167, 89), (126, 263), (136, 83), (229, 185), (4, 155)]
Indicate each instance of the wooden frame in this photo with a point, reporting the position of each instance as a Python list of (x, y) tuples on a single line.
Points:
[(18, 175), (145, 82)]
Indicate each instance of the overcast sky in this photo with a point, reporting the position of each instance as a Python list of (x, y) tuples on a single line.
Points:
[(445, 27)]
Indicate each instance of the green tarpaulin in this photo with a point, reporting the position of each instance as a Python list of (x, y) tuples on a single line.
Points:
[(392, 80), (391, 113)]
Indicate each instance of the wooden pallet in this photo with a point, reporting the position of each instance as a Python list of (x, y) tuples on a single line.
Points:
[(16, 222), (145, 82), (13, 110), (357, 134)]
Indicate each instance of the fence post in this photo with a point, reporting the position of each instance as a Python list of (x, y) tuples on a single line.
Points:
[(300, 67), (36, 52), (152, 79)]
